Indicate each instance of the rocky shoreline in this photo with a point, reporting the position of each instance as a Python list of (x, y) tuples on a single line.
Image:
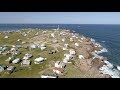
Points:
[(83, 50)]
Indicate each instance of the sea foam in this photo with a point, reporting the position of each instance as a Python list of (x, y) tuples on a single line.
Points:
[(108, 68)]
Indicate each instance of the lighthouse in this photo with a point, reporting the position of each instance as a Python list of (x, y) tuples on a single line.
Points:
[(58, 27)]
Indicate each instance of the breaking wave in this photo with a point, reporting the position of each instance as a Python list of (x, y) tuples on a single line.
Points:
[(109, 68)]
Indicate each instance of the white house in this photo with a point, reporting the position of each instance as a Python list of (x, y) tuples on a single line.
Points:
[(77, 44), (52, 35), (65, 46), (19, 40), (72, 52), (63, 39), (33, 46), (10, 69), (23, 42), (38, 60), (17, 60), (27, 56), (6, 37), (25, 63), (43, 45), (43, 48), (81, 57), (59, 64), (67, 58), (58, 70), (48, 76), (71, 39)]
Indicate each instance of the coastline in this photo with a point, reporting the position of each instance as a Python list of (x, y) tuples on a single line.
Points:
[(108, 67), (89, 46)]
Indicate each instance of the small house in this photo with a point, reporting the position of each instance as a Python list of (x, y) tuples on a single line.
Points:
[(52, 51), (25, 63), (27, 56), (68, 58), (5, 54), (58, 70), (71, 39), (33, 46), (43, 48), (81, 57), (17, 53), (38, 60), (77, 44), (11, 69), (59, 64), (6, 37), (63, 39), (19, 40), (4, 48), (43, 45), (23, 42), (72, 52), (48, 76), (17, 60), (55, 41), (65, 46), (52, 35)]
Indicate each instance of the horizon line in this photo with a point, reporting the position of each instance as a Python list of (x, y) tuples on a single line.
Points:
[(50, 23)]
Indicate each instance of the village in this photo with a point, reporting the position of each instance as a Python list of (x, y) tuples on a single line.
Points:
[(52, 53)]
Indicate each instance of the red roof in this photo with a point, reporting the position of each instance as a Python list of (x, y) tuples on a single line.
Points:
[(59, 69)]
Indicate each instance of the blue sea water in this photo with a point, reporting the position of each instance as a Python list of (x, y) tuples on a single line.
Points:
[(107, 35)]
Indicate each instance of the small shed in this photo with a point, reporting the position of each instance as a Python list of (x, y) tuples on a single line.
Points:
[(38, 60), (11, 69), (43, 45), (59, 64), (27, 56), (81, 57), (77, 44), (33, 46), (25, 63), (6, 37), (48, 76), (43, 48), (52, 35), (58, 70), (72, 52), (17, 60)]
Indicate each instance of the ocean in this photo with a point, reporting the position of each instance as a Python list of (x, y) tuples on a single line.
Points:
[(107, 35)]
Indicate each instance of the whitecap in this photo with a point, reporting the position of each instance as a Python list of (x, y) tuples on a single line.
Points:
[(118, 67), (103, 41)]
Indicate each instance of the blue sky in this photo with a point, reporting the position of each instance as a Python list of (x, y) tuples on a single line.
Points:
[(61, 17)]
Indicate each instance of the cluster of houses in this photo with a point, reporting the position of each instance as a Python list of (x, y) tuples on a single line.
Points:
[(58, 69), (9, 69), (34, 46), (59, 66), (25, 61)]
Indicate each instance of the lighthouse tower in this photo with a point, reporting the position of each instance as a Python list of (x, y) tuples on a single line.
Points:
[(58, 27)]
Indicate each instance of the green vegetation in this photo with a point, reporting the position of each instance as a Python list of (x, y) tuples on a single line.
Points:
[(34, 69)]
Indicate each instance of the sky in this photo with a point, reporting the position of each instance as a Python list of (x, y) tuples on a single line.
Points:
[(60, 17)]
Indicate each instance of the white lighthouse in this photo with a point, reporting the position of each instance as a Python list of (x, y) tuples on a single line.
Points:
[(58, 27)]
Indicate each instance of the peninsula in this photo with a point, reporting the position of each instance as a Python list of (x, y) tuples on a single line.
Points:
[(49, 53)]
